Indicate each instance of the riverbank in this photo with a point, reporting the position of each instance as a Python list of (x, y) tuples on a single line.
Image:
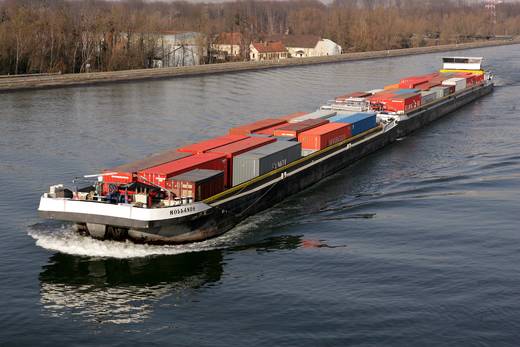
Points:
[(56, 81)]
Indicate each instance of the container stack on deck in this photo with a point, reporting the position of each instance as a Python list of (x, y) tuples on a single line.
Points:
[(127, 173), (237, 148), (260, 161), (256, 126), (207, 145), (415, 91), (203, 169), (200, 170), (294, 129), (160, 175)]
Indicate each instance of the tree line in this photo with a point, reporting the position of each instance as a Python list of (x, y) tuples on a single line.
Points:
[(41, 36)]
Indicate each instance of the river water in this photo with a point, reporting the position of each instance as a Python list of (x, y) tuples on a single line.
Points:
[(420, 241)]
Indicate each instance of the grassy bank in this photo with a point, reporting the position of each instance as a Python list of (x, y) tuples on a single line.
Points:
[(55, 81)]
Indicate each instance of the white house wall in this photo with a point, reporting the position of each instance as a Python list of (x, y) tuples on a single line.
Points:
[(323, 47), (307, 52), (327, 47)]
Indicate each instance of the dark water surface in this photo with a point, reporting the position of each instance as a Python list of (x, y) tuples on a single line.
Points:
[(425, 234)]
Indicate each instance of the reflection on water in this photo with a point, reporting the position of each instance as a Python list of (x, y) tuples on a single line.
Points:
[(122, 291)]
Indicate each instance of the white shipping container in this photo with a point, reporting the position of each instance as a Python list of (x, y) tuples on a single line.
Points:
[(459, 83), (320, 114), (441, 91), (428, 96)]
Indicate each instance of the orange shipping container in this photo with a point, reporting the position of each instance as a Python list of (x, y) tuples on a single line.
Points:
[(206, 145), (270, 131), (256, 126), (293, 129), (325, 135), (391, 86)]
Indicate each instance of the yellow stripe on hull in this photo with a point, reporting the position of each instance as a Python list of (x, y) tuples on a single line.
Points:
[(476, 72)]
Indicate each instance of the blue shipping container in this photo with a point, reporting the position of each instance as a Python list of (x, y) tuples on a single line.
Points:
[(361, 122), (404, 91), (342, 115)]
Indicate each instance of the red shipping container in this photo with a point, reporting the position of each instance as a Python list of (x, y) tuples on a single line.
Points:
[(197, 184), (149, 161), (325, 135), (116, 178), (204, 146), (403, 103), (270, 131), (127, 173), (479, 78), (293, 129), (415, 81), (412, 83), (291, 116), (237, 148), (256, 126), (159, 174)]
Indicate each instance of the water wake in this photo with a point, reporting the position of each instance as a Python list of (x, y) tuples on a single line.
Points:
[(66, 240)]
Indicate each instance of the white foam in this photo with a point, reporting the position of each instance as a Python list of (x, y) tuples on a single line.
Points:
[(66, 240)]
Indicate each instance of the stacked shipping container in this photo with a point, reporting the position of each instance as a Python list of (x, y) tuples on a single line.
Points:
[(292, 116), (197, 184), (127, 173), (237, 148), (458, 82), (428, 96), (159, 175), (293, 129), (269, 131), (207, 145), (360, 122), (324, 136), (320, 114), (256, 126), (260, 161)]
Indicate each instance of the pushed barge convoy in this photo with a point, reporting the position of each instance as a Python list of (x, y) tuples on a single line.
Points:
[(202, 190)]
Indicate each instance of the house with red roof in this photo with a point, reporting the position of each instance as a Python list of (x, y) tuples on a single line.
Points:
[(269, 50)]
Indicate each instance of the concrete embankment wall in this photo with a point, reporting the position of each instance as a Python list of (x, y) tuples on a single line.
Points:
[(54, 81)]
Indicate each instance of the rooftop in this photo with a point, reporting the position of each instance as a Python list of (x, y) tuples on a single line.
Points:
[(297, 41), (269, 47)]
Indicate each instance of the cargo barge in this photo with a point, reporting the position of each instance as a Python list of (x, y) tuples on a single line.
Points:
[(202, 190)]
